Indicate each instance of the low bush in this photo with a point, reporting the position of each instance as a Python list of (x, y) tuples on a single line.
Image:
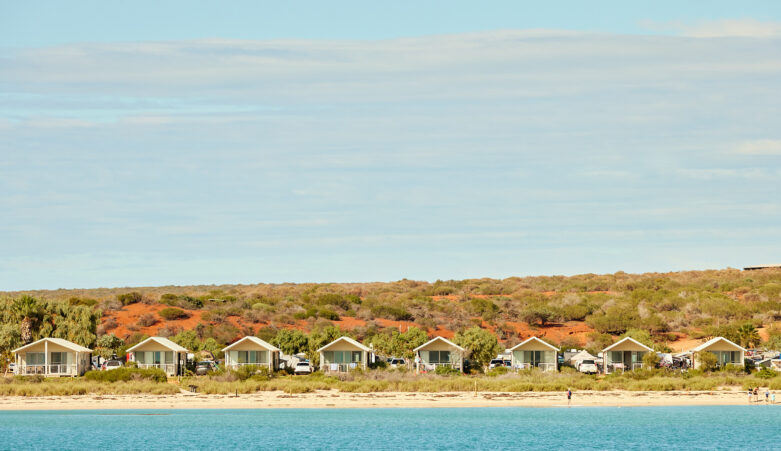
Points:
[(127, 374), (172, 313), (498, 371), (146, 320), (446, 371)]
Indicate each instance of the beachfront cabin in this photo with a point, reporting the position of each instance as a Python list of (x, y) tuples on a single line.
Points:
[(159, 352), (52, 357), (726, 352), (439, 351), (344, 354), (251, 351), (625, 354), (534, 353)]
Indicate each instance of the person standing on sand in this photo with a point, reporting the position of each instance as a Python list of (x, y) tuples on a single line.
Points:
[(767, 395), (750, 392), (569, 396), (756, 394)]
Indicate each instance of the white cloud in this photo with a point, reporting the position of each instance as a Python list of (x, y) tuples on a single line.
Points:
[(760, 147), (718, 28)]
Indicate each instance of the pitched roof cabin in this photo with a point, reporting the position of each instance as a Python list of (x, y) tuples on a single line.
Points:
[(52, 357), (344, 354), (439, 351), (727, 352), (159, 352), (534, 353), (625, 354), (251, 351)]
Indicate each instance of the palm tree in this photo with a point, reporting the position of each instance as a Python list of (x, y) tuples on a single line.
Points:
[(28, 312), (749, 337)]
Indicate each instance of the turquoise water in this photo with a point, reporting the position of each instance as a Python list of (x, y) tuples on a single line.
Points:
[(756, 427)]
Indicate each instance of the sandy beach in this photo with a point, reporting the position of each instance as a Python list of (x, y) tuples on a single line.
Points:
[(335, 399)]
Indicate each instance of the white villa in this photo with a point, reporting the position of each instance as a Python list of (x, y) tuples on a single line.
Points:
[(726, 352), (251, 351), (534, 353), (159, 352), (344, 354), (439, 351), (625, 354), (52, 357)]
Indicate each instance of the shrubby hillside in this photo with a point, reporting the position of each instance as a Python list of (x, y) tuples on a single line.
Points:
[(668, 310)]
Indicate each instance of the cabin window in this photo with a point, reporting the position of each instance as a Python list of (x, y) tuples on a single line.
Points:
[(35, 358), (60, 358), (438, 356), (617, 356), (169, 357)]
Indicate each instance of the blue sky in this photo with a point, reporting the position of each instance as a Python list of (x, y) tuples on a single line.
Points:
[(180, 144)]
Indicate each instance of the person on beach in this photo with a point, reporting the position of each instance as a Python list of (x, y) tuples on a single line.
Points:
[(569, 396), (767, 395), (773, 398), (750, 392), (756, 394)]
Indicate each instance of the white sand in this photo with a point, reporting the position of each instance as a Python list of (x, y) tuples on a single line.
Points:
[(335, 399)]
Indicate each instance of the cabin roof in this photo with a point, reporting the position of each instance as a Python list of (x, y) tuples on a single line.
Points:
[(256, 340), (627, 339), (536, 340), (348, 340), (164, 342), (58, 341), (438, 338)]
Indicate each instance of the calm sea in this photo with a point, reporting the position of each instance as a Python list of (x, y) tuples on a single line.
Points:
[(755, 427)]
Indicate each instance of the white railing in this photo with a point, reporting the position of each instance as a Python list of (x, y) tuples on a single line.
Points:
[(540, 365), (636, 366), (169, 368), (342, 367), (235, 366), (55, 369), (426, 366), (547, 366)]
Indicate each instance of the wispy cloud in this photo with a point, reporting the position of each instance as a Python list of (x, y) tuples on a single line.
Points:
[(718, 28), (760, 147), (470, 150)]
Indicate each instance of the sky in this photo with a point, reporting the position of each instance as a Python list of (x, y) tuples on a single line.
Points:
[(177, 143)]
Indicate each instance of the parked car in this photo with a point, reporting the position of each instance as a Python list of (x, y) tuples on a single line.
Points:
[(203, 367), (303, 367), (396, 363), (495, 363), (111, 365), (587, 367)]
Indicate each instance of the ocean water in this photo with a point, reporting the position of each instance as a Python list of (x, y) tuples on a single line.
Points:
[(755, 427)]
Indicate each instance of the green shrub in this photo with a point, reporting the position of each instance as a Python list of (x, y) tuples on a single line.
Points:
[(254, 372), (708, 361), (130, 298), (651, 359), (390, 312), (498, 371), (447, 371), (127, 374), (766, 373), (172, 313), (328, 314)]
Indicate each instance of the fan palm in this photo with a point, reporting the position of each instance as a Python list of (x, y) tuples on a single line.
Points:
[(749, 336), (28, 312)]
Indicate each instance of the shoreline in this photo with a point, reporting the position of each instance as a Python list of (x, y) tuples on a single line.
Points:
[(334, 399)]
